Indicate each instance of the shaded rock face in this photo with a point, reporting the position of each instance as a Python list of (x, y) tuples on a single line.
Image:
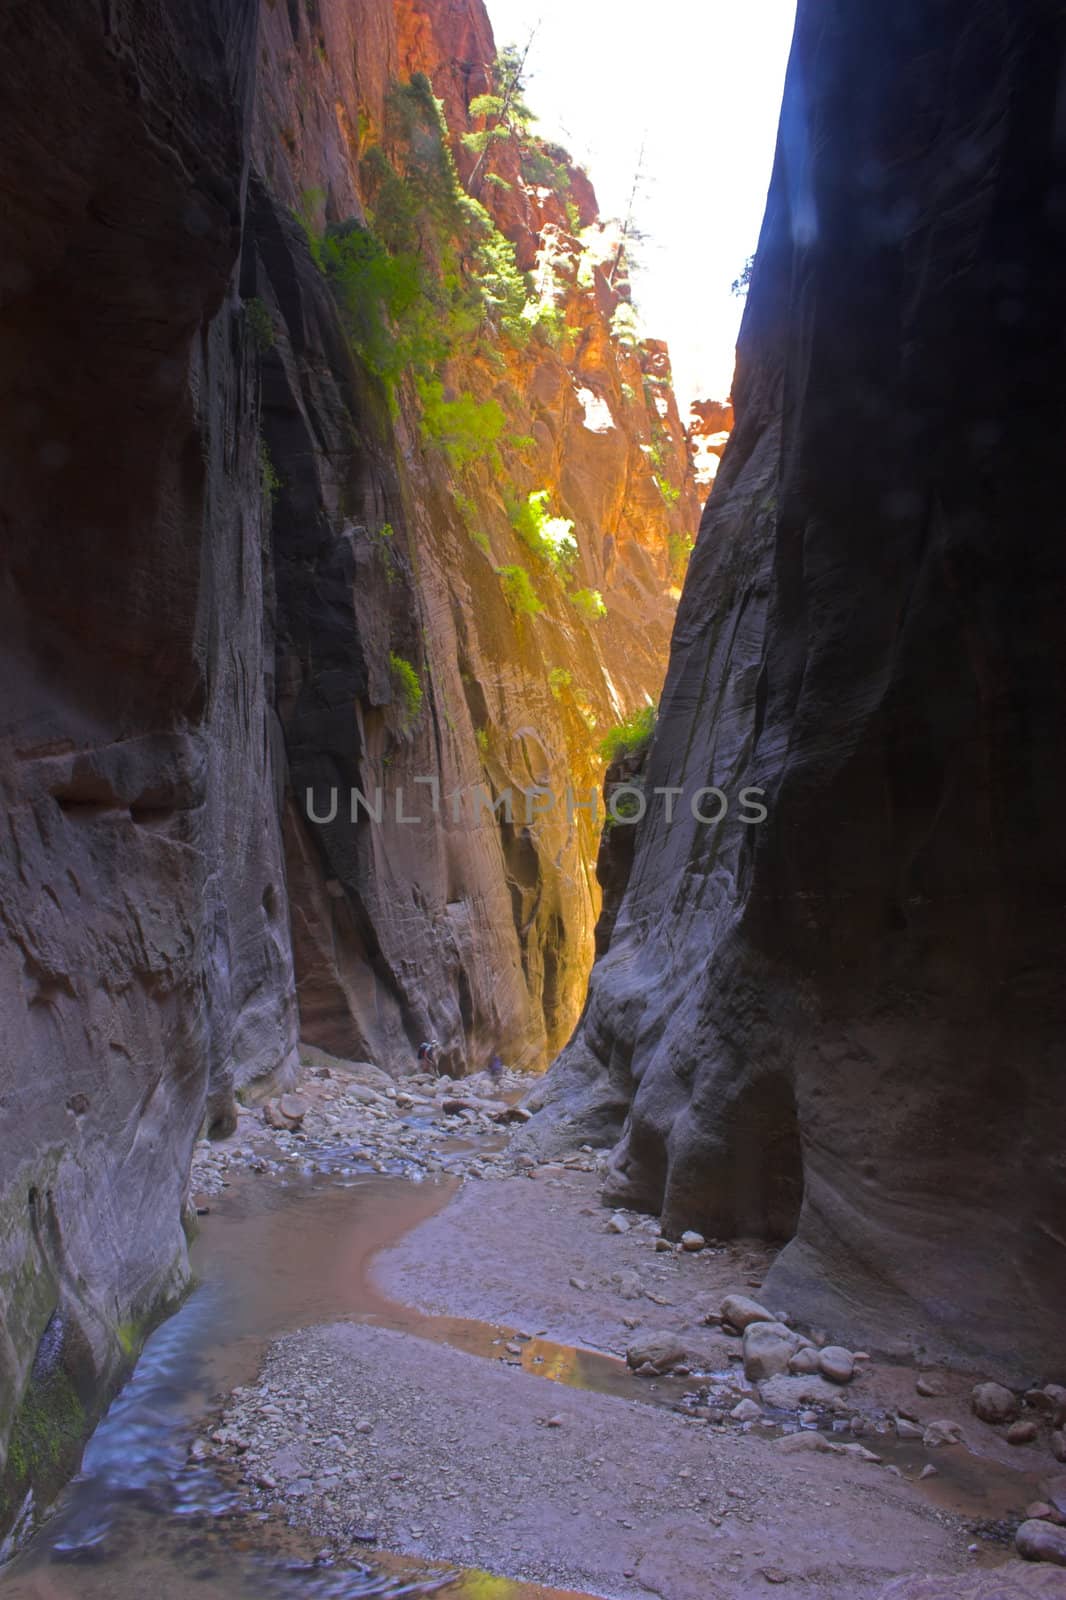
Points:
[(145, 968), (839, 1026), (218, 540)]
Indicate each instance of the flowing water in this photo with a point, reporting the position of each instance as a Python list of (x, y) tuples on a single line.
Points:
[(145, 1519), (142, 1518)]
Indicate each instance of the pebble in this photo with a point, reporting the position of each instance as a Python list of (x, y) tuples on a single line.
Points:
[(928, 1471), (663, 1246), (908, 1430), (746, 1411), (1021, 1433), (928, 1387), (692, 1241), (579, 1283), (618, 1224)]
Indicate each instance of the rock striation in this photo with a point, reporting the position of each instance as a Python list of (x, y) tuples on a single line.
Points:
[(239, 564), (838, 1028)]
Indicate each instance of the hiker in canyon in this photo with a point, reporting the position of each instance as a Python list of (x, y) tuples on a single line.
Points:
[(427, 1055)]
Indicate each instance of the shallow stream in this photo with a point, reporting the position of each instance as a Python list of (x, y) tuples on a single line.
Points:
[(143, 1519)]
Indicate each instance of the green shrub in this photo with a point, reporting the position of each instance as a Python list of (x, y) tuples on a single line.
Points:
[(670, 494), (519, 591), (558, 680), (589, 602), (407, 687), (680, 547), (631, 735), (482, 737), (465, 429), (551, 539), (383, 539)]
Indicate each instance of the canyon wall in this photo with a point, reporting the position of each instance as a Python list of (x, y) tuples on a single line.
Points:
[(145, 969), (239, 564), (395, 540), (842, 1027)]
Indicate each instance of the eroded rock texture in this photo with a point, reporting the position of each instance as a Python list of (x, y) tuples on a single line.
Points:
[(477, 933), (218, 541), (842, 1024), (145, 968)]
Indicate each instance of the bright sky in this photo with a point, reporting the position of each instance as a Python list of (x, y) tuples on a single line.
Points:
[(699, 82)]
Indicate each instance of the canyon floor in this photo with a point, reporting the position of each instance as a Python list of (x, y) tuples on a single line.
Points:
[(420, 1378)]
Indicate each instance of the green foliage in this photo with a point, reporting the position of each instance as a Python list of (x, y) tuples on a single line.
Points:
[(384, 539), (519, 591), (680, 547), (589, 602), (431, 274), (260, 323), (407, 686), (551, 539), (465, 429), (482, 737), (670, 493), (269, 480), (631, 736), (522, 441), (558, 680), (307, 212)]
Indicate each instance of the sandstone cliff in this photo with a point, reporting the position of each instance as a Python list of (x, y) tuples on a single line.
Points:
[(553, 413), (246, 554), (839, 1028)]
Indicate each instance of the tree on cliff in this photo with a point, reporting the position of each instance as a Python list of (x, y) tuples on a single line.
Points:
[(504, 108)]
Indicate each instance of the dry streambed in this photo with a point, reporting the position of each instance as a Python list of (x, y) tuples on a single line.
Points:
[(708, 1448)]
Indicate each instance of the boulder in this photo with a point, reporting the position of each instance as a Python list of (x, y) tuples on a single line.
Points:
[(660, 1352), (836, 1363), (788, 1393), (802, 1443), (804, 1361), (768, 1348), (1022, 1432), (285, 1114), (994, 1404), (740, 1311), (1037, 1540), (941, 1432)]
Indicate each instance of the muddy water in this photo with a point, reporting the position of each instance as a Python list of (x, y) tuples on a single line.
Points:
[(142, 1520)]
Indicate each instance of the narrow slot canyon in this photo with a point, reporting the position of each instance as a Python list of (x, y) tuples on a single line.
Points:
[(532, 888)]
